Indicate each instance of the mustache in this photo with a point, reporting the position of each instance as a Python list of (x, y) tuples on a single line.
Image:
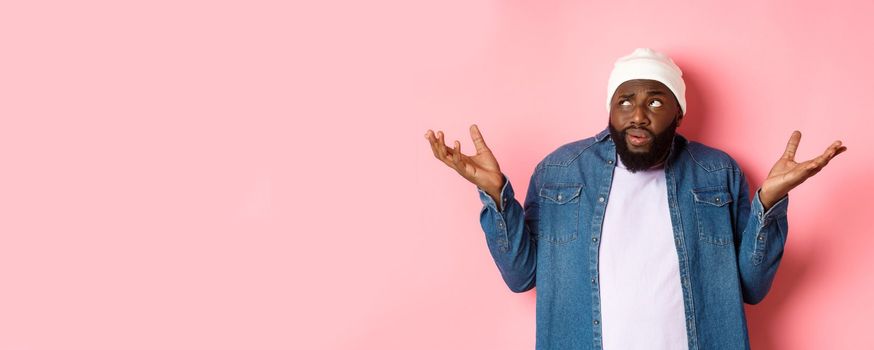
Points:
[(647, 131)]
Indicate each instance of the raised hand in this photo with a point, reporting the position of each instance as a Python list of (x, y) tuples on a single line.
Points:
[(786, 174), (481, 169)]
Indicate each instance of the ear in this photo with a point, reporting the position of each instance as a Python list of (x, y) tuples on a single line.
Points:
[(679, 118)]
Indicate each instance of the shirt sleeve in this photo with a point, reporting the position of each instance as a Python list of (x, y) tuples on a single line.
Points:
[(762, 242), (489, 203), (510, 240)]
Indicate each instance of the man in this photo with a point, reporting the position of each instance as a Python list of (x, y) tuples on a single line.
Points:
[(656, 249)]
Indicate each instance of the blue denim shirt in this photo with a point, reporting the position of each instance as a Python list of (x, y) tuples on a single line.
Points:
[(726, 256)]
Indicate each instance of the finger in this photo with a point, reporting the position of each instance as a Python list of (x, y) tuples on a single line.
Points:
[(442, 148), (818, 163), (433, 141), (832, 149), (834, 146), (831, 153), (792, 145), (456, 155), (478, 140)]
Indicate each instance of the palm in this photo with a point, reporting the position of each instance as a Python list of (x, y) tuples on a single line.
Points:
[(481, 168), (480, 165), (786, 173)]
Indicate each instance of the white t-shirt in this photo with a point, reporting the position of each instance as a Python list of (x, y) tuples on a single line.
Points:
[(639, 272)]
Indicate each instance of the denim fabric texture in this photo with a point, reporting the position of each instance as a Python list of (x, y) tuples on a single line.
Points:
[(729, 248)]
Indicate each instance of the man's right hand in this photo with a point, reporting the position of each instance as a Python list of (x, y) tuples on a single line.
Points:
[(480, 169)]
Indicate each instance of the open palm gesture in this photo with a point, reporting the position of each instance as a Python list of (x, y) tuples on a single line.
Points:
[(481, 168), (786, 174)]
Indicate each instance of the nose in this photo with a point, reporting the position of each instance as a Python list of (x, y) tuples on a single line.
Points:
[(638, 116)]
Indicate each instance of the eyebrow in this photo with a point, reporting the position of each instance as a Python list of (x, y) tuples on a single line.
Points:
[(650, 93)]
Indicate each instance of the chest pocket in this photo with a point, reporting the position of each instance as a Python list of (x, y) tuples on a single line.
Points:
[(713, 213), (559, 212)]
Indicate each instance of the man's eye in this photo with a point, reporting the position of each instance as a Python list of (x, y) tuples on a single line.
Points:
[(624, 103), (655, 103)]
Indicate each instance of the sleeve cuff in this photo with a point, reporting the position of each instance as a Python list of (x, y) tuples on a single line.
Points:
[(506, 193), (777, 210)]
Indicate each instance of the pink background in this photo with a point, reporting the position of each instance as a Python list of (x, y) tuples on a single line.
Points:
[(252, 174)]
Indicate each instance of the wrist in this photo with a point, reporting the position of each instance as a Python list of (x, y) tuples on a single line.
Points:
[(768, 198), (495, 186)]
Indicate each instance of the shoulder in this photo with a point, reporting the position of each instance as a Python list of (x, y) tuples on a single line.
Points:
[(707, 157), (570, 152)]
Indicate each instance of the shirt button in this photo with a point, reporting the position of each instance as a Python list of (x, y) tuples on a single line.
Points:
[(610, 162), (593, 281), (595, 322), (601, 199), (594, 239), (500, 224), (559, 197), (761, 238)]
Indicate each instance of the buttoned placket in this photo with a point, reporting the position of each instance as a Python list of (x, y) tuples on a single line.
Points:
[(600, 206), (683, 260)]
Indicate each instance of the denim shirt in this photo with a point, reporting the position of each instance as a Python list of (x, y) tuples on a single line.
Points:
[(726, 256)]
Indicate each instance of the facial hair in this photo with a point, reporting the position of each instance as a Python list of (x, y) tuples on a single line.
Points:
[(636, 161)]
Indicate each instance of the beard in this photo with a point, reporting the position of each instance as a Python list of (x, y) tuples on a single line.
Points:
[(636, 161)]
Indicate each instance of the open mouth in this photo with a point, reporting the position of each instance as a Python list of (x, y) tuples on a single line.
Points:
[(637, 137)]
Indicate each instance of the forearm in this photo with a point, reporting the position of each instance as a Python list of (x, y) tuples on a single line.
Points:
[(768, 198), (495, 192), (509, 239), (761, 250)]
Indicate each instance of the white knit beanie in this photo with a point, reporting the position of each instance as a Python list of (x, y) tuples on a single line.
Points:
[(649, 64)]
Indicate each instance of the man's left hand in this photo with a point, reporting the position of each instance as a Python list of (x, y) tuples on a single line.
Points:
[(786, 173)]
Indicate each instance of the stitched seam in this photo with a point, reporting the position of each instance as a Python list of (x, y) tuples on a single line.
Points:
[(700, 164), (589, 142)]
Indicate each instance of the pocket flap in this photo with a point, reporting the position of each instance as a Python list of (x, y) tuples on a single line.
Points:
[(560, 193), (713, 196)]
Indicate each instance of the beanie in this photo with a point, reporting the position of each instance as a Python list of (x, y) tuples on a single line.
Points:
[(648, 64)]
